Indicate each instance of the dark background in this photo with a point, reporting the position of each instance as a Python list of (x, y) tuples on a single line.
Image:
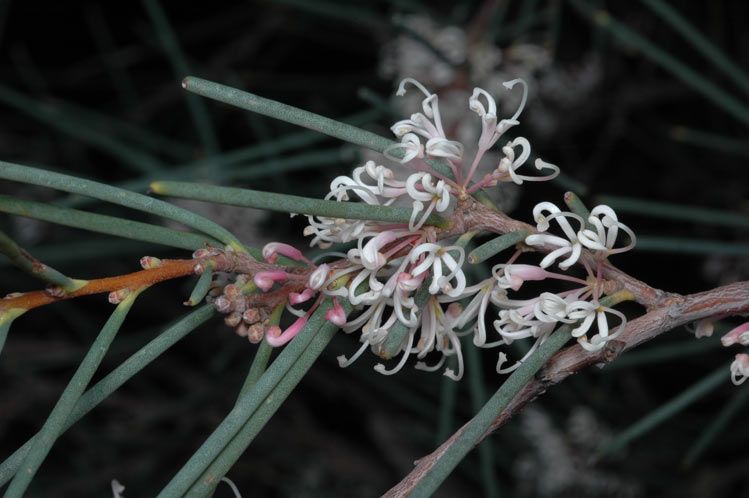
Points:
[(93, 89)]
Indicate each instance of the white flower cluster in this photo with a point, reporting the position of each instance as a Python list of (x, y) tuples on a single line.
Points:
[(401, 276)]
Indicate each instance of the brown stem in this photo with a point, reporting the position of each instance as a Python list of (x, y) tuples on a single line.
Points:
[(169, 269), (675, 311)]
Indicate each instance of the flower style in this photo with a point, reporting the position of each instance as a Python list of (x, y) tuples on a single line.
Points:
[(588, 312), (427, 125), (491, 131), (438, 334), (432, 257), (571, 245), (421, 189), (607, 227), (508, 165)]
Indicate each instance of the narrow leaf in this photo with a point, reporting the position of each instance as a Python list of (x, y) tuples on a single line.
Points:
[(115, 379), (286, 203), (699, 42), (300, 117), (716, 94), (50, 179), (239, 443), (479, 424), (55, 423), (665, 411), (680, 212), (690, 246), (243, 410), (717, 425), (120, 227), (495, 246), (202, 286), (6, 320), (34, 267)]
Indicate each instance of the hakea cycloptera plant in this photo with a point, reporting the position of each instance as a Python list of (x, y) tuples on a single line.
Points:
[(403, 282)]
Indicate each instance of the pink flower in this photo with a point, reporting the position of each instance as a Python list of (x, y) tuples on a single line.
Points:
[(273, 249), (301, 297), (336, 315), (738, 335), (265, 279), (276, 338)]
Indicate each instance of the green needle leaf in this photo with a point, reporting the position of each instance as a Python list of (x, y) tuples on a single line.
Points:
[(286, 203), (202, 286), (690, 246), (398, 333), (55, 424), (6, 320), (710, 140), (477, 387), (34, 267), (238, 444), (707, 88), (133, 230), (716, 426), (679, 212), (76, 127), (700, 43), (50, 179), (285, 365), (300, 117), (478, 425), (495, 246), (116, 378), (666, 411)]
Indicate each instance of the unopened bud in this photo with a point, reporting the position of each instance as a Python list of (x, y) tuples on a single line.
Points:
[(55, 291), (251, 316), (256, 333), (232, 291), (738, 335), (149, 262), (223, 304), (233, 319), (116, 297)]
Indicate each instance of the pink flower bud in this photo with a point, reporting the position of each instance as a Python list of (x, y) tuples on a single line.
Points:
[(265, 279), (276, 338), (297, 298), (273, 249), (336, 315), (738, 335)]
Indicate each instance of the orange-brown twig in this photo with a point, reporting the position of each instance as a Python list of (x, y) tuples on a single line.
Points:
[(169, 269)]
